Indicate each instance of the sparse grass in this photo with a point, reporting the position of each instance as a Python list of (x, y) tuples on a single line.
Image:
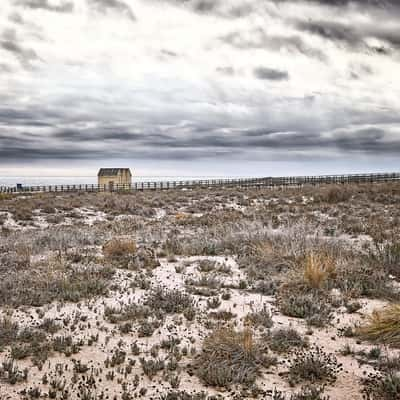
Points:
[(360, 278), (318, 268), (260, 317), (387, 255), (128, 312), (120, 251), (306, 393), (184, 395), (287, 244), (147, 327), (230, 357), (55, 281), (382, 387), (10, 373), (222, 315), (152, 367), (285, 339), (383, 326), (207, 265), (8, 332), (169, 301), (213, 302), (313, 366), (353, 306), (315, 309)]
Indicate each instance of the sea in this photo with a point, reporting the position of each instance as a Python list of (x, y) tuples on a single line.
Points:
[(12, 181)]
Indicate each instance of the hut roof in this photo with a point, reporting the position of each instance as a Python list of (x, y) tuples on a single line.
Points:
[(112, 171)]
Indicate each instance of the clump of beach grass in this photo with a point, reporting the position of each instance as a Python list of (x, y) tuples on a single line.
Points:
[(318, 268), (231, 357), (119, 250), (383, 326)]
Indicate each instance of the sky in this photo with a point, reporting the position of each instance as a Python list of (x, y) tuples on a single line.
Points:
[(199, 87)]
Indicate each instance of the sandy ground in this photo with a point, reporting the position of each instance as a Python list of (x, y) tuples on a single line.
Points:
[(347, 385)]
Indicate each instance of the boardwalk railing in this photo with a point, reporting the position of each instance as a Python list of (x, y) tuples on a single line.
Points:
[(268, 182)]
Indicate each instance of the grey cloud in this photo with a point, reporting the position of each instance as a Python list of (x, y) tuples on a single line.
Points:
[(5, 68), (10, 43), (16, 18), (368, 140), (354, 37), (260, 132), (386, 5), (206, 5), (168, 54), (170, 115), (64, 7), (222, 8), (259, 39), (217, 7), (18, 151), (270, 74), (113, 5), (359, 71), (107, 141), (28, 118)]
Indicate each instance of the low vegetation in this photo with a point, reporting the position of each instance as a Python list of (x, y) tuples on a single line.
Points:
[(313, 366), (383, 326), (229, 292), (231, 357)]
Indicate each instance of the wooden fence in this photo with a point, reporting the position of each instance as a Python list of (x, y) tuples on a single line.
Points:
[(269, 182)]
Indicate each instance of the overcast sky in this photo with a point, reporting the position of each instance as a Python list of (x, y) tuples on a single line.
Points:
[(199, 87)]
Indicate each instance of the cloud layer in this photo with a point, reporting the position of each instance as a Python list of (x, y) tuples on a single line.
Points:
[(203, 80)]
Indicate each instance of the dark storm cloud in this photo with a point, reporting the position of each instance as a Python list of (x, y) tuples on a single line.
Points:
[(64, 7), (166, 114), (19, 151), (205, 5), (354, 37), (270, 74), (221, 8), (216, 7), (109, 134), (258, 39), (259, 132), (379, 4), (22, 152), (113, 5), (34, 117), (112, 141), (366, 140), (10, 43)]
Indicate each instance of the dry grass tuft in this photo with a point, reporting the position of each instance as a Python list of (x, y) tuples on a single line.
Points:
[(231, 357), (383, 326), (318, 268), (117, 249)]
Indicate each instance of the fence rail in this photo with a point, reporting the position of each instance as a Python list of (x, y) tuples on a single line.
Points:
[(268, 182)]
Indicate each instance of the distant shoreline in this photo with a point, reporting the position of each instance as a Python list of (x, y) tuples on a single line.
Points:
[(10, 181)]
